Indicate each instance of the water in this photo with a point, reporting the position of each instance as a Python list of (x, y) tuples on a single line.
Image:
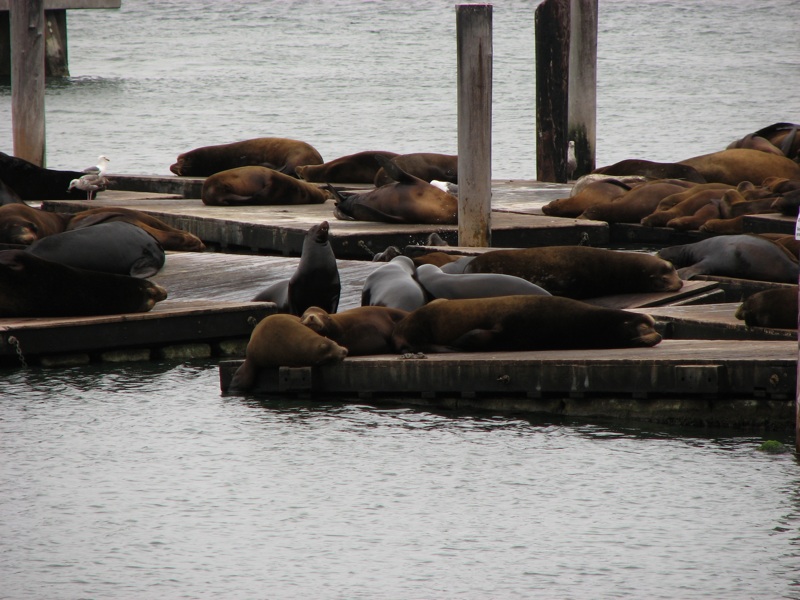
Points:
[(142, 481)]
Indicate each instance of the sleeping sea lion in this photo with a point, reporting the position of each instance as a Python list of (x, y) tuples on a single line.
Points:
[(655, 170), (360, 167), (23, 224), (258, 185), (742, 164), (362, 330), (439, 284), (428, 166), (395, 285), (775, 308), (521, 323), (32, 182)]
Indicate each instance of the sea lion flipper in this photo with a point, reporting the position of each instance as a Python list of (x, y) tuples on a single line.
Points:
[(395, 172)]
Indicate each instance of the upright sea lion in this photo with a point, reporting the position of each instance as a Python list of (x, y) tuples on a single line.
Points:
[(169, 237), (23, 224), (113, 247), (315, 282), (34, 287), (581, 271), (282, 154), (281, 340), (362, 330), (428, 166), (360, 167), (655, 170), (258, 185), (521, 323), (744, 256), (742, 164), (32, 182), (775, 308), (439, 284), (394, 285), (408, 200)]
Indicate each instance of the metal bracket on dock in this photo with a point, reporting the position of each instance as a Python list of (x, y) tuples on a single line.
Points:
[(294, 379), (701, 379)]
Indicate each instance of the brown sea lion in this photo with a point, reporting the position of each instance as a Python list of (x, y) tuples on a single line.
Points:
[(362, 330), (775, 308), (698, 219), (655, 170), (636, 204), (408, 200), (435, 258), (282, 154), (521, 323), (23, 224), (686, 203), (425, 165), (595, 193), (788, 203), (756, 142), (360, 167), (32, 182), (34, 287), (581, 271), (282, 340), (169, 237), (742, 164), (744, 256), (259, 186), (783, 135)]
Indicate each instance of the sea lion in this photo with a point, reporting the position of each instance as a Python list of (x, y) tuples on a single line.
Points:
[(684, 203), (23, 224), (439, 284), (281, 340), (595, 193), (775, 308), (755, 142), (256, 185), (654, 170), (395, 285), (8, 196), (282, 154), (362, 330), (360, 167), (744, 256), (408, 200), (315, 282), (788, 203), (742, 164), (437, 258), (636, 204), (425, 165), (114, 247), (34, 287), (169, 237), (784, 136), (521, 323), (32, 182), (584, 180), (581, 271)]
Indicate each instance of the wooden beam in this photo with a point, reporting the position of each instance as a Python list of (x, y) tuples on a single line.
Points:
[(28, 80), (582, 88)]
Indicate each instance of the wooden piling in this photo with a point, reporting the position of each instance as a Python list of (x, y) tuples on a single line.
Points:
[(28, 79), (474, 47), (552, 30), (582, 87)]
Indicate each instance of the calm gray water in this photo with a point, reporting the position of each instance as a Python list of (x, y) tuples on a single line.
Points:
[(142, 481)]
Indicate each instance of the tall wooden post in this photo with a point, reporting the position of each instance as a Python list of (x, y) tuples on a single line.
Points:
[(552, 30), (582, 89), (28, 79), (474, 45)]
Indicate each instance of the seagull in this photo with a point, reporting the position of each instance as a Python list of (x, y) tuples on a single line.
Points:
[(89, 183), (446, 186), (572, 161), (100, 167)]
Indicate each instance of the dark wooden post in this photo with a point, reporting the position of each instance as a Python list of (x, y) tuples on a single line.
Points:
[(474, 44), (552, 31), (28, 79), (582, 111), (56, 60)]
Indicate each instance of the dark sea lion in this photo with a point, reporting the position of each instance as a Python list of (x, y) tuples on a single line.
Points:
[(755, 142), (33, 287), (521, 323), (315, 282), (281, 340), (581, 271), (8, 196), (636, 204), (776, 308), (788, 203), (114, 247), (685, 203), (283, 154), (360, 167), (439, 284), (31, 182), (655, 170), (742, 164), (169, 237), (362, 330), (428, 166), (743, 256), (394, 285), (256, 185), (784, 136), (23, 224), (408, 200), (595, 193)]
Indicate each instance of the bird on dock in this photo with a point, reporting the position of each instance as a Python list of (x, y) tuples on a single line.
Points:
[(572, 160), (100, 167), (89, 183)]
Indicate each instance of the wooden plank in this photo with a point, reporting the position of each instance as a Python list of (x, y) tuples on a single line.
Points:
[(769, 223)]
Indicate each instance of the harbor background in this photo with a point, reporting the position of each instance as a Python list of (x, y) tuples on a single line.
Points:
[(142, 480)]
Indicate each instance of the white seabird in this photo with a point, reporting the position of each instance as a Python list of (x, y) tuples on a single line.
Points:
[(89, 183), (100, 167), (572, 160)]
